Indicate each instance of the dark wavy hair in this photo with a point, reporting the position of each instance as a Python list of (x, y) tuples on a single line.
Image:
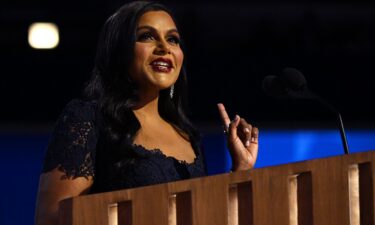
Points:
[(111, 86)]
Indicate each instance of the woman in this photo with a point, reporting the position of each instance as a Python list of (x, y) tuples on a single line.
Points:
[(130, 130)]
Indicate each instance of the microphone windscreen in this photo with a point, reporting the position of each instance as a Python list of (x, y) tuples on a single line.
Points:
[(273, 86), (294, 79)]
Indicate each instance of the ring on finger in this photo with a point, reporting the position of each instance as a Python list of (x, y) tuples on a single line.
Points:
[(226, 129)]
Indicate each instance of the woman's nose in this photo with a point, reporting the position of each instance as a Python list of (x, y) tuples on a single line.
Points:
[(162, 48)]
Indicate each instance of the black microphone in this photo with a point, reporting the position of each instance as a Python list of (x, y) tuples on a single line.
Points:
[(274, 87), (294, 79), (292, 84)]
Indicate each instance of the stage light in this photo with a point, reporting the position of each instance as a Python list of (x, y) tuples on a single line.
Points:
[(43, 35)]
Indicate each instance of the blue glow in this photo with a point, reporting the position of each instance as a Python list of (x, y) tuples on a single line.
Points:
[(22, 156), (286, 146)]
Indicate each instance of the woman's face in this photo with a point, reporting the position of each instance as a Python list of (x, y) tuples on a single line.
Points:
[(158, 56)]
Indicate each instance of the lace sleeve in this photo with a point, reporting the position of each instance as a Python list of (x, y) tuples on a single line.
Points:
[(72, 144)]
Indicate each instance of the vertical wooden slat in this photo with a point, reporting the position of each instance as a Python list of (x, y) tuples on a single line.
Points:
[(112, 214), (293, 199), (245, 203), (232, 204), (330, 191), (125, 214), (270, 197), (210, 201), (353, 182), (366, 195), (184, 211), (172, 217), (304, 199), (150, 205), (87, 211)]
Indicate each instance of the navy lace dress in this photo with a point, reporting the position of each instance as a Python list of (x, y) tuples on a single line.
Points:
[(76, 149)]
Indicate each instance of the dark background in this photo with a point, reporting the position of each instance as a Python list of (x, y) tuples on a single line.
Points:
[(231, 47)]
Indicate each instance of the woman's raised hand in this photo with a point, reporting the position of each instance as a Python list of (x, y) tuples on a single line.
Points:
[(242, 140)]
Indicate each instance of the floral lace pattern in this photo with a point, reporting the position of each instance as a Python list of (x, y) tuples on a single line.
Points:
[(76, 149), (71, 148), (82, 132), (148, 167)]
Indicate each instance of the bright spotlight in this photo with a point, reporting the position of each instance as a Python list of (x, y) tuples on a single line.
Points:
[(43, 35)]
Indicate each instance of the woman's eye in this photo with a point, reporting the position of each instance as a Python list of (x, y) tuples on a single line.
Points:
[(174, 40), (145, 36)]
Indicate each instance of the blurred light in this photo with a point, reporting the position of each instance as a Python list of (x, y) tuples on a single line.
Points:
[(43, 35)]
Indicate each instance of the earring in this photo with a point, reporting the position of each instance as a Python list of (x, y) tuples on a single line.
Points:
[(171, 91)]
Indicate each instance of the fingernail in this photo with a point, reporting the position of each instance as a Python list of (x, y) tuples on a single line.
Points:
[(252, 139), (236, 118), (246, 130), (247, 143)]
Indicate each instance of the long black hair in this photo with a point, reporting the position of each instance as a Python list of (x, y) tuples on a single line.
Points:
[(116, 93)]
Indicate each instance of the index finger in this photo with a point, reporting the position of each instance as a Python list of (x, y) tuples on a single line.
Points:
[(223, 114)]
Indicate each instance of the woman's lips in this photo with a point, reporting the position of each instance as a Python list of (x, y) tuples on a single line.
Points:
[(161, 65), (162, 69)]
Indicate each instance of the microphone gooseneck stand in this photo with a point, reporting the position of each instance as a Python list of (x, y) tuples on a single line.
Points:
[(292, 84), (339, 121)]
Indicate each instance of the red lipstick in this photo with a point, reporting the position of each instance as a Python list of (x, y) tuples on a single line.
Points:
[(163, 65)]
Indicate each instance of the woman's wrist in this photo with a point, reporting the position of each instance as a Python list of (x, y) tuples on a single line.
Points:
[(241, 167)]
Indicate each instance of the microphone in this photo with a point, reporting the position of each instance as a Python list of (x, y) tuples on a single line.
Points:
[(294, 79), (292, 84), (274, 87), (297, 83)]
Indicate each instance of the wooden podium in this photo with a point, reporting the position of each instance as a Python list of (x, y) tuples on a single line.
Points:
[(336, 190)]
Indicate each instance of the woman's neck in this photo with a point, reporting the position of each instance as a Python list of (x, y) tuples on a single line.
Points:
[(147, 108)]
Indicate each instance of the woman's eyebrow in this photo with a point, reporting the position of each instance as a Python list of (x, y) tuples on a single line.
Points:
[(173, 30)]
